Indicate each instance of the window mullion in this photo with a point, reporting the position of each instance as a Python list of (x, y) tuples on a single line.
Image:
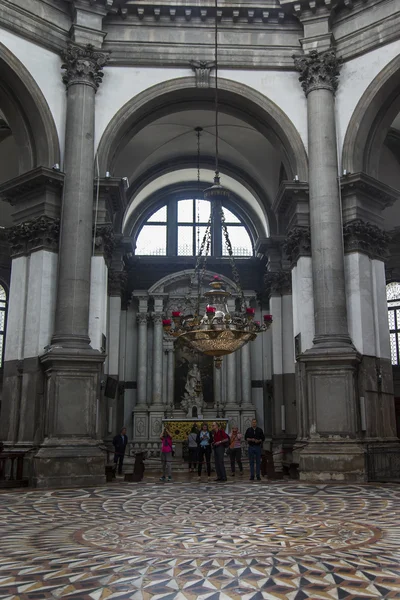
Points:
[(172, 228)]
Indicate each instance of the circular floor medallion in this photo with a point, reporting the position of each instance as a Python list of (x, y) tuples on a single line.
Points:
[(249, 537)]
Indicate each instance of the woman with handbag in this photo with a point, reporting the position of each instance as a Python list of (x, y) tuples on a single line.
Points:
[(166, 455), (235, 450)]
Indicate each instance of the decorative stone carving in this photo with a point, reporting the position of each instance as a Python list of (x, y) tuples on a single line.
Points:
[(117, 282), (105, 242), (202, 71), (157, 318), (142, 318), (83, 65), (361, 236), (278, 282), (41, 233), (318, 70), (297, 243)]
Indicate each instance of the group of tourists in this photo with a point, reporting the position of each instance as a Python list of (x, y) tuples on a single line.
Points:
[(204, 442)]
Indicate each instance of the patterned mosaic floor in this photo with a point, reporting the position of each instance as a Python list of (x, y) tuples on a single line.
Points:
[(180, 541)]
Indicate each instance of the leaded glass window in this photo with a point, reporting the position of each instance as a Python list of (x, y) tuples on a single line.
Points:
[(178, 227), (393, 301)]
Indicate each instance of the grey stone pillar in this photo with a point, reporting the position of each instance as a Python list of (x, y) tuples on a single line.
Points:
[(82, 77), (327, 383), (170, 378), (156, 397), (142, 319), (247, 409), (319, 74), (231, 404), (70, 453)]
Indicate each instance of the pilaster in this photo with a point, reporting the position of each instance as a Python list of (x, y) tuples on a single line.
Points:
[(33, 243)]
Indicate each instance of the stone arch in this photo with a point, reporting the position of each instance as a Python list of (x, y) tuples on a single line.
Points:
[(182, 92), (177, 164), (371, 121), (173, 278), (28, 114)]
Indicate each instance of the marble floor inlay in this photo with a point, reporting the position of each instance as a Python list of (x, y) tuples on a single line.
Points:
[(187, 541)]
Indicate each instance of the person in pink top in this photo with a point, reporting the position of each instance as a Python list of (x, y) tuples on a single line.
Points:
[(235, 450), (166, 455)]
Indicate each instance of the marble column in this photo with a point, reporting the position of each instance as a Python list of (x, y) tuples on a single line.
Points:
[(170, 378), (156, 397), (231, 401), (141, 426), (70, 453), (319, 77), (247, 409), (328, 381)]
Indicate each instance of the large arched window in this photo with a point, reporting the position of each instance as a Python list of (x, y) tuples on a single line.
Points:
[(178, 227), (393, 301), (3, 319)]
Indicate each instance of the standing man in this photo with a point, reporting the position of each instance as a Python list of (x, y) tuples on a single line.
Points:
[(120, 442), (254, 436), (220, 443)]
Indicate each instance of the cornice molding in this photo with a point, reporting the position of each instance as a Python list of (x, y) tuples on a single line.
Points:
[(53, 32), (383, 194), (12, 190)]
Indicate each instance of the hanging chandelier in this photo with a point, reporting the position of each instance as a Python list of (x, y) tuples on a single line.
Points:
[(216, 332)]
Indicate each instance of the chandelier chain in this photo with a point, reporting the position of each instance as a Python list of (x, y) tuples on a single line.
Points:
[(235, 272), (216, 90)]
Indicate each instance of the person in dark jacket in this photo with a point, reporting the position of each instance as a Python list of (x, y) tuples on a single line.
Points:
[(220, 444), (204, 441), (120, 442), (255, 437)]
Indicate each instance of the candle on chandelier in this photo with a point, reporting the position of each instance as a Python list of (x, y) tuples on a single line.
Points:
[(166, 322), (210, 310), (268, 318), (176, 313), (250, 311)]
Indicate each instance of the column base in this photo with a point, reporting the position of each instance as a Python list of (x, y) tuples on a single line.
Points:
[(69, 462), (334, 460), (232, 415), (140, 424), (246, 417), (70, 454), (156, 416)]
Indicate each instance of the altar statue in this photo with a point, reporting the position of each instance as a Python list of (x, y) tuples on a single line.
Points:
[(193, 396)]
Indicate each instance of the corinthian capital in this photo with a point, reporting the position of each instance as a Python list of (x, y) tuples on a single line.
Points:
[(318, 70), (83, 64)]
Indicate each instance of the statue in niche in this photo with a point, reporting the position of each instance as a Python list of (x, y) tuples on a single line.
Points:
[(193, 400)]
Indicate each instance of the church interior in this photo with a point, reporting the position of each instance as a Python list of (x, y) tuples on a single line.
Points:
[(199, 223)]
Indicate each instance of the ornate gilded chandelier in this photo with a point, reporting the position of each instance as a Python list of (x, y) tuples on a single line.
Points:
[(216, 332)]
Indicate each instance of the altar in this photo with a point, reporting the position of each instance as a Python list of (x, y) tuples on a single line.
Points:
[(180, 428)]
